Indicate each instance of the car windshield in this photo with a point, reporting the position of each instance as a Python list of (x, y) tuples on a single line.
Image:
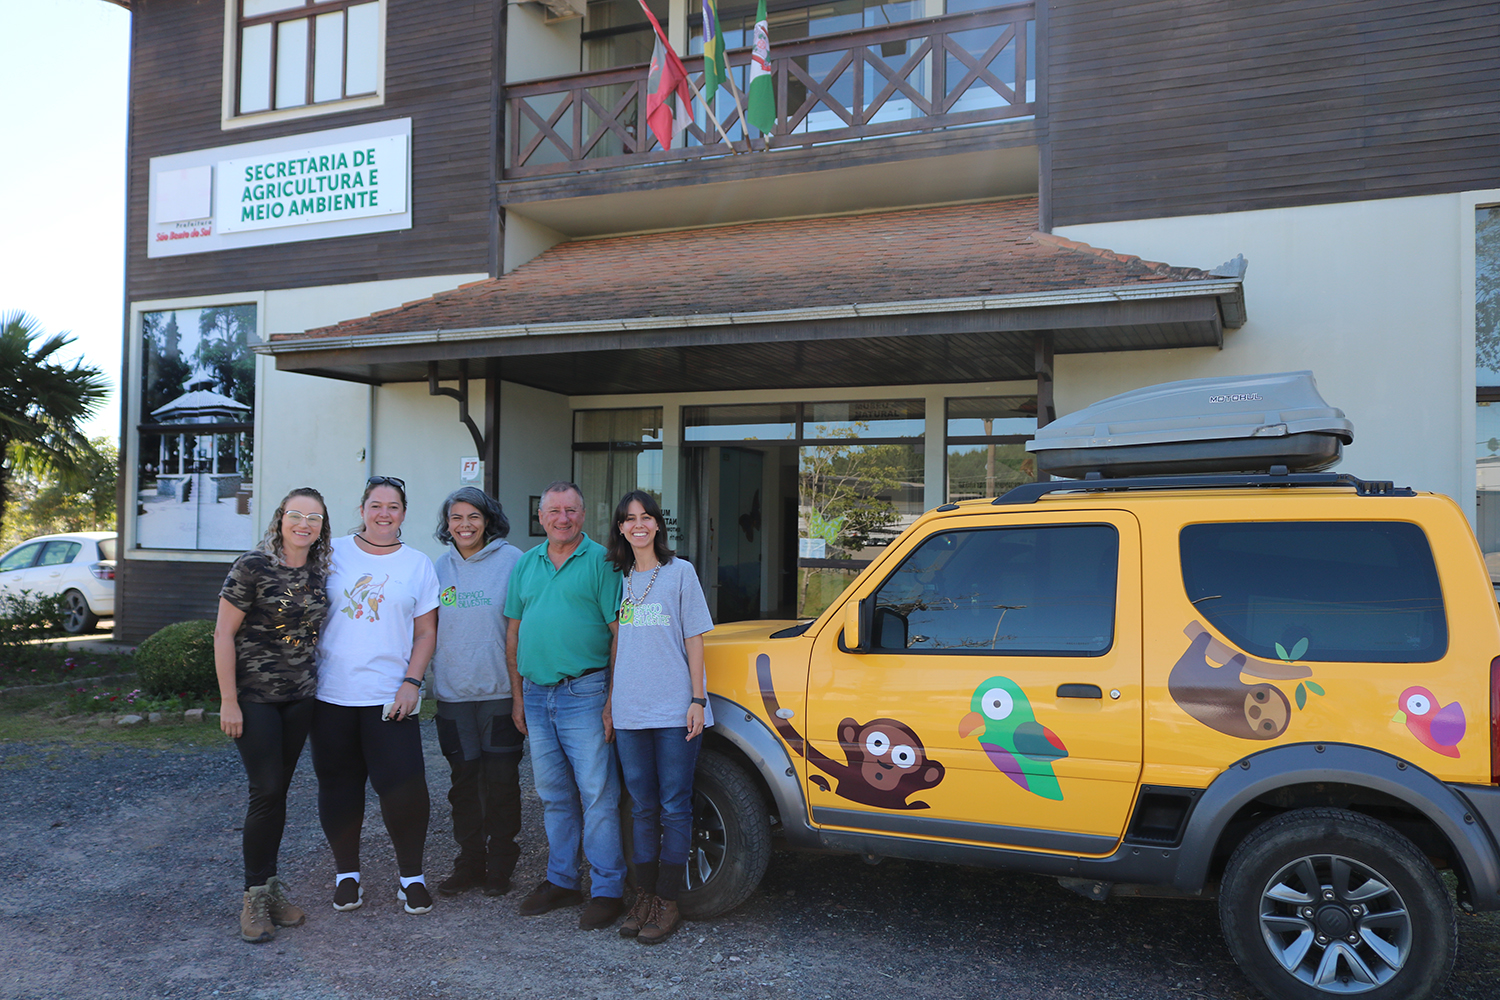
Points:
[(107, 549)]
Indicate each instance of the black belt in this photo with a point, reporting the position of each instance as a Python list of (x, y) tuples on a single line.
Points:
[(566, 679)]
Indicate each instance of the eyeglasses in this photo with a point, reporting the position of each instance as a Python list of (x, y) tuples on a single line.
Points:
[(400, 484), (297, 517)]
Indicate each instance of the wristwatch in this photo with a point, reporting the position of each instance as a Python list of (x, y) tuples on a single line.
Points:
[(412, 680), (701, 701)]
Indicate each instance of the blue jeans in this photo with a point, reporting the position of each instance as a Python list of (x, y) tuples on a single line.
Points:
[(658, 766), (578, 782)]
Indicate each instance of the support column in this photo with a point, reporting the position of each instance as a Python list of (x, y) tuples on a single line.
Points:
[(490, 453), (1046, 409)]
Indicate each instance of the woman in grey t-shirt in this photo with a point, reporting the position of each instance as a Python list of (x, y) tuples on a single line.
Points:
[(659, 707)]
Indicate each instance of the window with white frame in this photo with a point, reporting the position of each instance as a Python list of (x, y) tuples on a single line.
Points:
[(298, 53)]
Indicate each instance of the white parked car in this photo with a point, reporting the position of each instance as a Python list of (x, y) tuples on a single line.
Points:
[(79, 566)]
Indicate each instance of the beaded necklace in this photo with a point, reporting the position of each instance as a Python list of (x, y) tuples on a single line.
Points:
[(631, 601)]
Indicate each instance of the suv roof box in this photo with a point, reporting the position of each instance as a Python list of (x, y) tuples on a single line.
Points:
[(1245, 423)]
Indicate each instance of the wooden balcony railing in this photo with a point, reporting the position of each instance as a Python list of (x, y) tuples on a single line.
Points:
[(915, 76)]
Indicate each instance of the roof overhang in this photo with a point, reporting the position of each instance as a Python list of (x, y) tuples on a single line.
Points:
[(970, 339)]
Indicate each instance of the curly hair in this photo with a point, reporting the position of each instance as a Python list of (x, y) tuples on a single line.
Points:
[(619, 551), (320, 553), (496, 524)]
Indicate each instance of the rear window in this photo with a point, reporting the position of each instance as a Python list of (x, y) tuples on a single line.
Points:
[(1329, 591), (107, 549), (59, 553)]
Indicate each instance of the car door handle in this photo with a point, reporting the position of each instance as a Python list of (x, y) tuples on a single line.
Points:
[(1079, 691)]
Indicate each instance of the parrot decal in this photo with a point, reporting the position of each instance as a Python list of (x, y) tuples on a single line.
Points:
[(1437, 728), (1022, 748)]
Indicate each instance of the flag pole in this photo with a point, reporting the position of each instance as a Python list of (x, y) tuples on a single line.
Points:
[(738, 107), (715, 118)]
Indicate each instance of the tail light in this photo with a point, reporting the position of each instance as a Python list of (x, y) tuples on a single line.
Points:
[(106, 571), (1495, 721)]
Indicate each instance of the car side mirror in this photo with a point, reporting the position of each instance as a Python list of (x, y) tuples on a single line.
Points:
[(856, 636)]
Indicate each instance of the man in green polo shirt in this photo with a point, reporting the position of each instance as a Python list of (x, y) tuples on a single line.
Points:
[(562, 603)]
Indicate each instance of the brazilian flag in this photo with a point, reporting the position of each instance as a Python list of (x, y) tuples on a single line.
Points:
[(715, 71)]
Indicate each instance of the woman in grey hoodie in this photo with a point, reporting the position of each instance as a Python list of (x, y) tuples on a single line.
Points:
[(472, 688)]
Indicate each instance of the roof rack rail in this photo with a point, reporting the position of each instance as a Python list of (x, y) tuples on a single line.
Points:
[(1032, 492)]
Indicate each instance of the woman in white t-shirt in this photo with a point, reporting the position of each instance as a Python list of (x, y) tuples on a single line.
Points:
[(376, 643), (659, 707)]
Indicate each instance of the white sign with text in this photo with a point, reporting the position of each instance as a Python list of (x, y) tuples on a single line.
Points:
[(352, 180)]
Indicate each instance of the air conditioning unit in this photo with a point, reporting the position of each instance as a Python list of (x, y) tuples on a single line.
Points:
[(563, 10)]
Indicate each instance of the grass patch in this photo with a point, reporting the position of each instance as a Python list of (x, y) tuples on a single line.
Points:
[(45, 663), (47, 725)]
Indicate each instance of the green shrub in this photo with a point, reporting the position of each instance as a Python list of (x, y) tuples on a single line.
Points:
[(24, 618), (179, 659)]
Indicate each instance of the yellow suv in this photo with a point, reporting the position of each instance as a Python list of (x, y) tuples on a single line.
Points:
[(1275, 686)]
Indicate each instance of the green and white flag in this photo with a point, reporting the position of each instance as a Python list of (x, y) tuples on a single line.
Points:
[(762, 94)]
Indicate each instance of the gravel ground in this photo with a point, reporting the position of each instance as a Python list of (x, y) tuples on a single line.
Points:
[(119, 878)]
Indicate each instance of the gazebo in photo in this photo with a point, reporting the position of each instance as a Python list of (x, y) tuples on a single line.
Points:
[(206, 464), (203, 470)]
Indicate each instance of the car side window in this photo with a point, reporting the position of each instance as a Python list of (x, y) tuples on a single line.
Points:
[(1322, 591), (1003, 591), (22, 558), (58, 553)]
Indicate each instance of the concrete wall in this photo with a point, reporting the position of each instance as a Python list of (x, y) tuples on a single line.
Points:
[(1369, 296), (536, 49), (536, 448)]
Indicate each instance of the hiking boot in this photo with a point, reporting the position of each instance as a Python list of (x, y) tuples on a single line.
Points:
[(496, 884), (284, 913), (466, 875), (350, 895), (255, 916), (636, 918), (416, 897), (601, 912), (547, 897), (662, 923)]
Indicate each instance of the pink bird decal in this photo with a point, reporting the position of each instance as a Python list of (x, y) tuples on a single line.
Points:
[(1437, 728)]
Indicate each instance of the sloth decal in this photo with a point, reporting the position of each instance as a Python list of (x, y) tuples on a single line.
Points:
[(1206, 684)]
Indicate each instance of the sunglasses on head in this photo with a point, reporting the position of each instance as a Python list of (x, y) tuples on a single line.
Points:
[(400, 484)]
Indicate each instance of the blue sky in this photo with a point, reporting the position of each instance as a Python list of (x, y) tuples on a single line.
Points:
[(64, 71)]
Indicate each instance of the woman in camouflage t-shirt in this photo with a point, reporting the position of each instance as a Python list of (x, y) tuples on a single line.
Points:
[(265, 647)]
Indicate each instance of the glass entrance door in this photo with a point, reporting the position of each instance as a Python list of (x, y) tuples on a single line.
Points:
[(741, 534)]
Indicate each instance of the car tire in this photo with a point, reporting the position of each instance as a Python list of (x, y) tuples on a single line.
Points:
[(731, 842), (77, 618), (1324, 902)]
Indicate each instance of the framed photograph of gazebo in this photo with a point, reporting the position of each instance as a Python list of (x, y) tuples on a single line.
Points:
[(195, 482)]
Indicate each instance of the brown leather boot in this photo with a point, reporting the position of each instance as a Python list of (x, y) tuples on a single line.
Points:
[(662, 923), (255, 917), (636, 918), (284, 913)]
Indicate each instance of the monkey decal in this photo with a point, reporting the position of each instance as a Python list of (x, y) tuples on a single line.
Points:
[(1216, 697), (885, 761)]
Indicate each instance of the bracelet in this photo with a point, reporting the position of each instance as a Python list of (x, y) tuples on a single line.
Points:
[(701, 701), (412, 680)]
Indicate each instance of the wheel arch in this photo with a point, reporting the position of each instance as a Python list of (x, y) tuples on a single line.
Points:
[(741, 735), (1424, 808)]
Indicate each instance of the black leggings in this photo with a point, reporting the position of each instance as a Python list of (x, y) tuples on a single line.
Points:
[(352, 744), (269, 746)]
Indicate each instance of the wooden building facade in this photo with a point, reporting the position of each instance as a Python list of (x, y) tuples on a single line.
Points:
[(951, 235)]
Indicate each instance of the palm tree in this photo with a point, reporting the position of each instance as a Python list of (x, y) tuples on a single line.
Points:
[(42, 402)]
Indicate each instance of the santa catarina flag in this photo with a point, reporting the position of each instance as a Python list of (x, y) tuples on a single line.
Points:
[(667, 97), (761, 95), (715, 71)]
